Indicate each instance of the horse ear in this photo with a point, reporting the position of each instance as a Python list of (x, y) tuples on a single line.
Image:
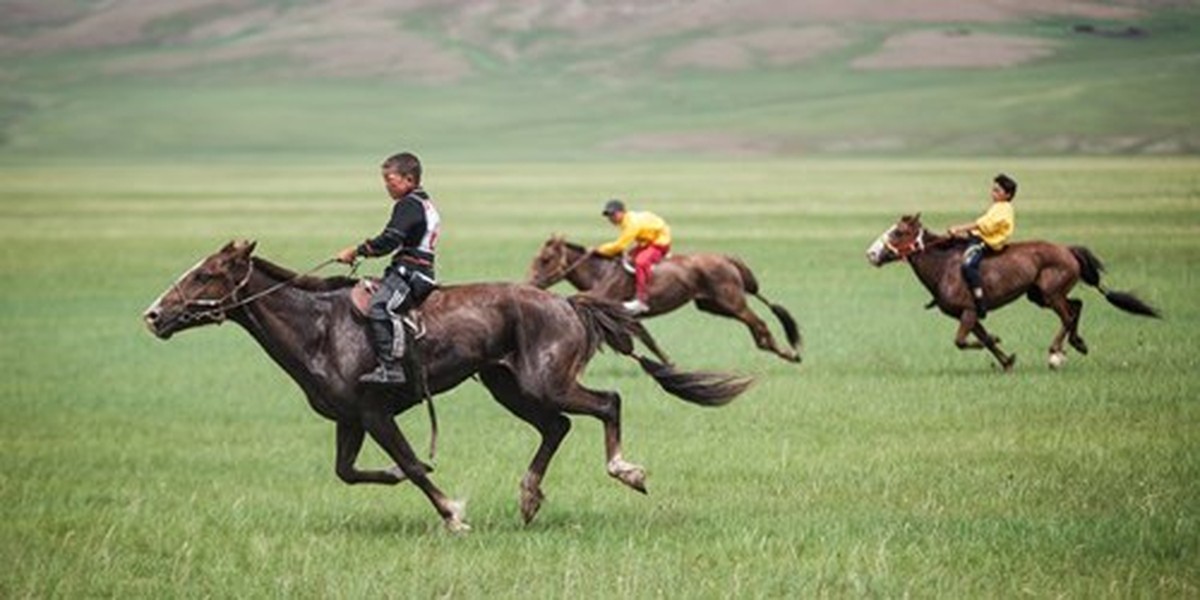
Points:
[(243, 247)]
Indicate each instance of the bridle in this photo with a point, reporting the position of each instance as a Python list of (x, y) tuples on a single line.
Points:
[(563, 271), (903, 251), (216, 309)]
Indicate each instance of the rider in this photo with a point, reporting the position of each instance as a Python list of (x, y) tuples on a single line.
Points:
[(653, 238), (990, 231), (412, 232)]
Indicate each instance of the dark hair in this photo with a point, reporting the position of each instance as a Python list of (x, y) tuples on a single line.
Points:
[(613, 206), (1008, 184), (404, 163)]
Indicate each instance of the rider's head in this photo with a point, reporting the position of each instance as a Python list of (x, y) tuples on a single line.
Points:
[(1004, 188), (614, 209), (401, 174)]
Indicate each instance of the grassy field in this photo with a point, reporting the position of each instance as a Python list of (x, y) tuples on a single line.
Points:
[(888, 464)]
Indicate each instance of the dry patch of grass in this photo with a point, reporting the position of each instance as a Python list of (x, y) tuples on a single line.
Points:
[(954, 49)]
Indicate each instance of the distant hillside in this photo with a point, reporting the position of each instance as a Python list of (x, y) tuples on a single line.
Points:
[(573, 78)]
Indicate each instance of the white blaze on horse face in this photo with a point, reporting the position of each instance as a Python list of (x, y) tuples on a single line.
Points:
[(875, 252), (156, 306)]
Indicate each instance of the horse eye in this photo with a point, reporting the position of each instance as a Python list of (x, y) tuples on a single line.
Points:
[(202, 277)]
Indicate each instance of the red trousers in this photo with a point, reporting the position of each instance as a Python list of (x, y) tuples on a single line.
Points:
[(644, 258)]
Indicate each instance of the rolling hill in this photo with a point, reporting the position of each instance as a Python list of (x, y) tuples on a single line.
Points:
[(550, 80)]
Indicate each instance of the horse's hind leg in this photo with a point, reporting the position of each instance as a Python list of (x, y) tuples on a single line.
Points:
[(758, 328), (1066, 315), (550, 423), (606, 406), (1073, 335), (380, 424)]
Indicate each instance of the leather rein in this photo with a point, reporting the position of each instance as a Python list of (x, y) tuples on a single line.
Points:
[(216, 309)]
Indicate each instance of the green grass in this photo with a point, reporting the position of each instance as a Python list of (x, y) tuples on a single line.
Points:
[(888, 464)]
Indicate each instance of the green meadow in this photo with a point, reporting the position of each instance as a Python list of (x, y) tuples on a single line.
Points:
[(136, 138), (887, 464)]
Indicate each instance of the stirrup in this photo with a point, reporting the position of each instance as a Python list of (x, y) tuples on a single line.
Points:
[(385, 375), (414, 324)]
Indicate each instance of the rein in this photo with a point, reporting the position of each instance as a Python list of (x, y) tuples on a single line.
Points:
[(217, 309), (559, 276)]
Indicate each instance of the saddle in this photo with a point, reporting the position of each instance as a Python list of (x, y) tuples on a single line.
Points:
[(360, 298), (629, 267)]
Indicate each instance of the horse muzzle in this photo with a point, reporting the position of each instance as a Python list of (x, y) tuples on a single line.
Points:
[(877, 254), (159, 326)]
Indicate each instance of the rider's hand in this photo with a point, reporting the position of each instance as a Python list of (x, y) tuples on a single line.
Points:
[(347, 255)]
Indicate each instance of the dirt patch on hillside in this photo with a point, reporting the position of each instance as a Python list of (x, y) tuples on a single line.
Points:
[(433, 40), (954, 49), (774, 47)]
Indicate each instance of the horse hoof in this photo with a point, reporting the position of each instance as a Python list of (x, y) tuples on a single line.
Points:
[(531, 503), (635, 478), (1008, 363), (455, 522), (1079, 345), (630, 475), (1056, 360)]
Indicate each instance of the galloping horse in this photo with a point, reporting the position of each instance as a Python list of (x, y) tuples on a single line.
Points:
[(527, 346), (718, 284), (1042, 272)]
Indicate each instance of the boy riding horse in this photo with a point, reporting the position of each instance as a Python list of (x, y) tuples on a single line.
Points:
[(412, 233), (653, 238), (989, 232)]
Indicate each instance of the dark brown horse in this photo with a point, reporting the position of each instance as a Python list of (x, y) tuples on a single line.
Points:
[(527, 346), (717, 283), (1043, 272)]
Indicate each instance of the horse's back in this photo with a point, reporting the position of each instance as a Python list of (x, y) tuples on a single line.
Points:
[(1041, 254)]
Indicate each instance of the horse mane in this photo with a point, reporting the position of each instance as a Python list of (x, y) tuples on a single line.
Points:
[(308, 283), (574, 246)]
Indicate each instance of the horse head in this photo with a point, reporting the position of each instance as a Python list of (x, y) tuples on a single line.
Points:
[(550, 264), (203, 293), (898, 242)]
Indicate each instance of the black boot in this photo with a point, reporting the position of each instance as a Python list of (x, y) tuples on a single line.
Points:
[(389, 371)]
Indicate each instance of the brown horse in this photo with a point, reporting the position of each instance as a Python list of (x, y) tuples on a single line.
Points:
[(527, 346), (1043, 272), (718, 284)]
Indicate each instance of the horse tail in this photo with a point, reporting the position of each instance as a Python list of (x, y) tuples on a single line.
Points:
[(750, 285), (608, 323), (1090, 269)]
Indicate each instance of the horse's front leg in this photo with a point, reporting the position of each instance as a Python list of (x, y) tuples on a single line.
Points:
[(969, 324), (349, 442), (382, 427), (963, 339)]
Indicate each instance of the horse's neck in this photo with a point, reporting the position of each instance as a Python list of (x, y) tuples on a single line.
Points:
[(933, 263), (592, 272), (272, 321)]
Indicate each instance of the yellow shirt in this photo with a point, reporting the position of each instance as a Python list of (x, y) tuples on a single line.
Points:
[(643, 227), (996, 225)]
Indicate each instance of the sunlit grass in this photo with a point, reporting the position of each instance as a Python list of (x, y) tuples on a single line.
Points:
[(889, 463)]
